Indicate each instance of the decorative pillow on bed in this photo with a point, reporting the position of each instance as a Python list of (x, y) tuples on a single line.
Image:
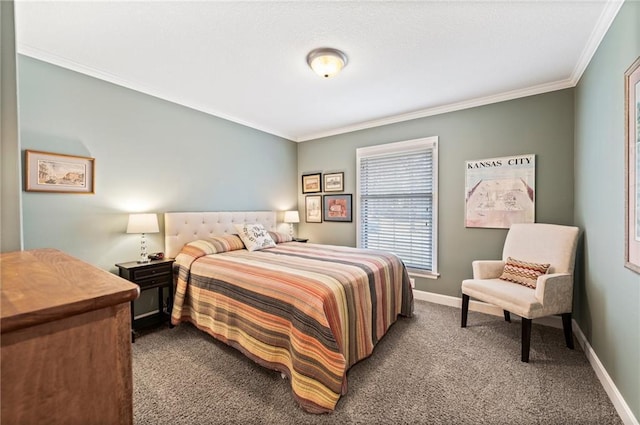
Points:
[(254, 236), (226, 243), (280, 237), (218, 244), (523, 272)]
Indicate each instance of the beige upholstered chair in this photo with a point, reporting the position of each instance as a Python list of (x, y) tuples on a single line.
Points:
[(533, 243)]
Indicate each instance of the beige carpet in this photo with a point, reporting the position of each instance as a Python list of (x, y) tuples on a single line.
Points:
[(426, 370)]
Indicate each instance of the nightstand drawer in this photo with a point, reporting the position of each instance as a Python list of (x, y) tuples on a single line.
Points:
[(145, 273), (153, 281)]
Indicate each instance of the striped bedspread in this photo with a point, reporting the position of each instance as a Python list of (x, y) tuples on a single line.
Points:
[(309, 311)]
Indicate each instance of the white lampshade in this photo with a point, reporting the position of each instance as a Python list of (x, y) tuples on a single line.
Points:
[(326, 62), (143, 223), (291, 217)]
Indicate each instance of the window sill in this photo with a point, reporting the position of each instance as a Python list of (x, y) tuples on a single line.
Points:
[(425, 275)]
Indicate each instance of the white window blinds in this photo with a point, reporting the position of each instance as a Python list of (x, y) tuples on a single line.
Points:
[(397, 185)]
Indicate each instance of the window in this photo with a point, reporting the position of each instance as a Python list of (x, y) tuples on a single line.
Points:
[(397, 201)]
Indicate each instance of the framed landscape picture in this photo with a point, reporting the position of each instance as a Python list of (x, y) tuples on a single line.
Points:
[(333, 182), (311, 183), (337, 208), (53, 172)]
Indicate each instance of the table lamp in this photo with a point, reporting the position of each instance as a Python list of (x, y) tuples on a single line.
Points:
[(291, 217), (143, 223)]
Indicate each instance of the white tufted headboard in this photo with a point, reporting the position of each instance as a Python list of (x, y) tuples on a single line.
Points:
[(183, 227)]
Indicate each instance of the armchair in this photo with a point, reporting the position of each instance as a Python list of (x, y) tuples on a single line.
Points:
[(550, 293)]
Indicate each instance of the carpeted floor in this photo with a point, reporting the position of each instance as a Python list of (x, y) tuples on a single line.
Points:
[(426, 370)]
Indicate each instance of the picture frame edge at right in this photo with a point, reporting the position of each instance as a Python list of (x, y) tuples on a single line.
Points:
[(632, 166)]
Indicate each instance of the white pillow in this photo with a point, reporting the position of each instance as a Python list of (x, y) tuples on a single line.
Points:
[(254, 236)]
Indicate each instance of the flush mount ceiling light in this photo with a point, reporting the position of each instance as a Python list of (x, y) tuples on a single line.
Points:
[(326, 62)]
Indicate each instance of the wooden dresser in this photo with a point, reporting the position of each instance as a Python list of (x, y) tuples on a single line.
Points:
[(66, 341)]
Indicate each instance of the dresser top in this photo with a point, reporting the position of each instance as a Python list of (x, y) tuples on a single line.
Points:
[(42, 285)]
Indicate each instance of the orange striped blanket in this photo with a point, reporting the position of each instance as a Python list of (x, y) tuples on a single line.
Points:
[(309, 311)]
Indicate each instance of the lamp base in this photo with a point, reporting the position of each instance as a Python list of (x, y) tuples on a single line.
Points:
[(144, 259)]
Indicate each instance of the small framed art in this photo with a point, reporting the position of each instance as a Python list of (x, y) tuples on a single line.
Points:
[(53, 172), (311, 183), (333, 182), (337, 208), (313, 209)]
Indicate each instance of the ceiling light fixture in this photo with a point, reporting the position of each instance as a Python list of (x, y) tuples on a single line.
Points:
[(326, 62)]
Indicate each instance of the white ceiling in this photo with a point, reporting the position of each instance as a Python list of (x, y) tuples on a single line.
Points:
[(245, 61)]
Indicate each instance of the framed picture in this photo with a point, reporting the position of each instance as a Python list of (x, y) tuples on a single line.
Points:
[(333, 182), (53, 172), (500, 191), (632, 166), (311, 183), (337, 208), (313, 209)]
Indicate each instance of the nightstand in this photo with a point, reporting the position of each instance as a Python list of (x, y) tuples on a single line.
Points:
[(153, 275), (303, 240)]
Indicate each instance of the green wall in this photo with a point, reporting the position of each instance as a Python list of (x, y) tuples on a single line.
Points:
[(10, 215), (608, 297), (540, 125), (150, 156)]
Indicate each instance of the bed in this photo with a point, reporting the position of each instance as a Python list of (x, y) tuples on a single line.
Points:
[(309, 311)]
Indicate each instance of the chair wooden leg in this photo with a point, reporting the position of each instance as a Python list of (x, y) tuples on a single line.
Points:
[(507, 316), (566, 325), (465, 309), (526, 339)]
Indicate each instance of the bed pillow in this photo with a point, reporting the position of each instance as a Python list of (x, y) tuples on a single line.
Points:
[(226, 243), (523, 272), (254, 236), (218, 244), (280, 237)]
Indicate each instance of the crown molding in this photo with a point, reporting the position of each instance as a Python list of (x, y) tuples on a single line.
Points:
[(605, 20), (481, 101), (66, 63)]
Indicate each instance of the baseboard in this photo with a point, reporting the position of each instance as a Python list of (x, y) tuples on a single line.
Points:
[(457, 302), (627, 416), (609, 386), (479, 306)]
